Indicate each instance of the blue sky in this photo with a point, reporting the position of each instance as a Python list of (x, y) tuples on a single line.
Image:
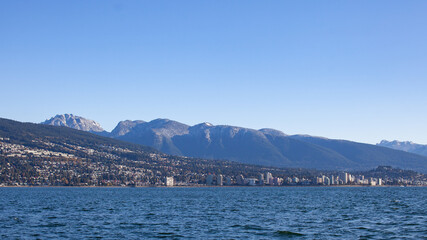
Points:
[(353, 70)]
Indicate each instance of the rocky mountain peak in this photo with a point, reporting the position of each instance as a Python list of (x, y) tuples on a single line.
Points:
[(76, 122)]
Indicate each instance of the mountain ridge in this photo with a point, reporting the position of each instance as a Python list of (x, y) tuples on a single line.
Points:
[(406, 146), (267, 147)]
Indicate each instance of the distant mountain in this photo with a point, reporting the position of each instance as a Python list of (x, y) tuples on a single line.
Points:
[(266, 147), (124, 127), (405, 146), (158, 134), (364, 155), (76, 122)]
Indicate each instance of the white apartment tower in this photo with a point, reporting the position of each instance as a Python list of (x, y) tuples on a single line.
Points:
[(269, 178), (219, 180), (169, 181)]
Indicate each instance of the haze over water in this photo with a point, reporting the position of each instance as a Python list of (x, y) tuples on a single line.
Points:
[(214, 213)]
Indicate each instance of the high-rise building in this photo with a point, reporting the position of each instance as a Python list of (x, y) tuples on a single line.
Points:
[(209, 179), (351, 178), (327, 181), (344, 177), (240, 180), (219, 180), (169, 181), (228, 181), (277, 181), (269, 178), (372, 181), (295, 180), (261, 179)]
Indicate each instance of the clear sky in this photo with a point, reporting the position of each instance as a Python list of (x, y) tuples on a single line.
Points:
[(353, 70)]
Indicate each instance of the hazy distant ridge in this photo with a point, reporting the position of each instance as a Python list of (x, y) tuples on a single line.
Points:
[(405, 146)]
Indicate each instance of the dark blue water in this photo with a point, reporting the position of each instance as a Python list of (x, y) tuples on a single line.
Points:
[(214, 213)]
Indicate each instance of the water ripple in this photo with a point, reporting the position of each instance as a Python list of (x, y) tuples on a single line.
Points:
[(213, 213)]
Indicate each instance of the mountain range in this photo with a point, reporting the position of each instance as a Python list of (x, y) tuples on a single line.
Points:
[(405, 146), (266, 147)]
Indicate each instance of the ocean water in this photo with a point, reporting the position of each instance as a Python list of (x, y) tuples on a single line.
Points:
[(214, 213)]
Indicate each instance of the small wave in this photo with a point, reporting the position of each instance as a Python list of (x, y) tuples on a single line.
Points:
[(411, 224), (288, 233), (134, 225), (52, 225), (138, 224), (168, 235), (253, 227)]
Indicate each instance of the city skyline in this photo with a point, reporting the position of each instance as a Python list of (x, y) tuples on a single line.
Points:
[(341, 70)]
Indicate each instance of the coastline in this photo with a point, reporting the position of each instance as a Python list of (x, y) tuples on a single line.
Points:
[(205, 186)]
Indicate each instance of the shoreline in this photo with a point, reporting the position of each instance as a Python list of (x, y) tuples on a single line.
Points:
[(203, 186)]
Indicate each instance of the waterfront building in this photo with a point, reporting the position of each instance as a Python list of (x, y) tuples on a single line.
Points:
[(269, 178), (209, 179), (240, 180), (251, 181), (261, 179), (344, 178), (295, 180), (351, 178), (169, 181), (228, 181), (306, 182), (219, 180), (327, 181), (277, 181)]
